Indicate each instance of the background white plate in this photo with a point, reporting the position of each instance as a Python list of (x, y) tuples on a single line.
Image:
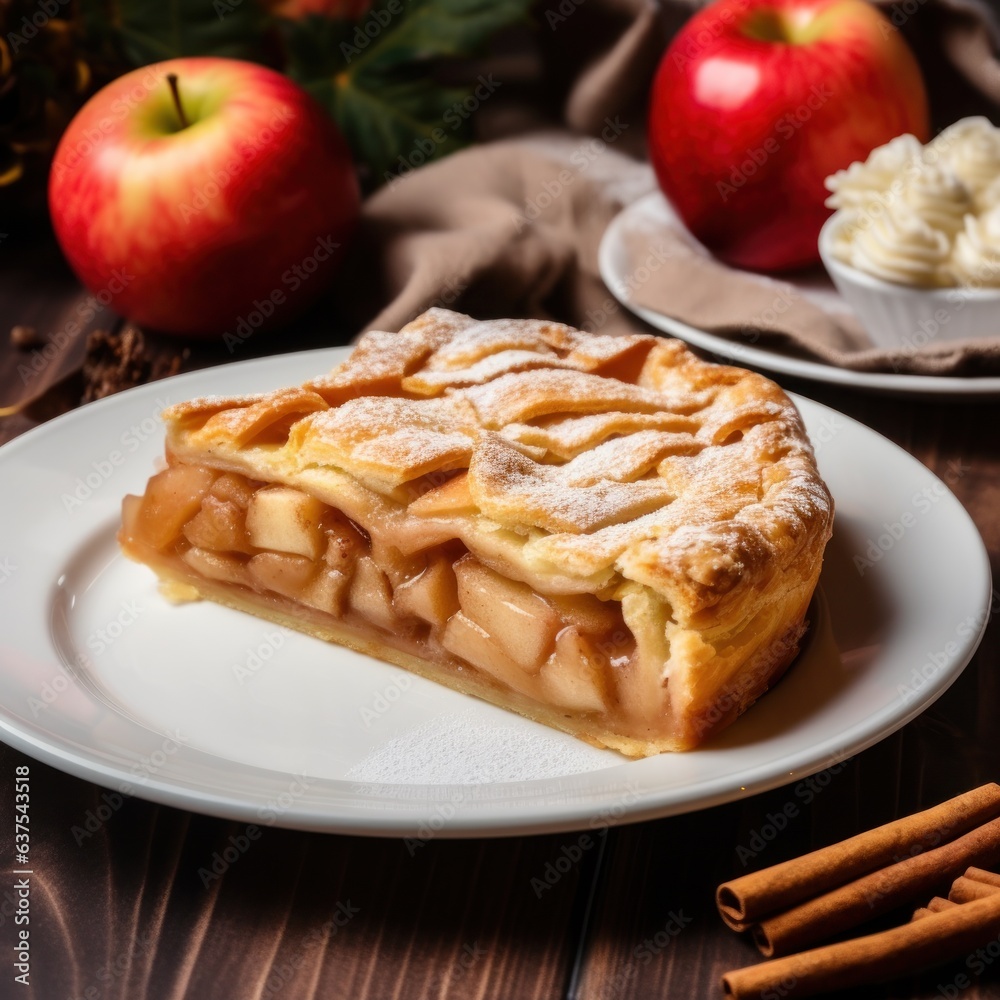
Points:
[(652, 210), (212, 710)]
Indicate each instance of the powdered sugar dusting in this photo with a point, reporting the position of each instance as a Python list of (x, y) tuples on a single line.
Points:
[(510, 487), (568, 436), (386, 439), (476, 341), (623, 459), (525, 396), (460, 750), (483, 370)]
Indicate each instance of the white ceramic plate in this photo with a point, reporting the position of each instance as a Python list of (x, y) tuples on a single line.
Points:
[(651, 210), (208, 709)]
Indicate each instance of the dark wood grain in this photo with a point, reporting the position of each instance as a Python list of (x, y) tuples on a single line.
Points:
[(120, 911)]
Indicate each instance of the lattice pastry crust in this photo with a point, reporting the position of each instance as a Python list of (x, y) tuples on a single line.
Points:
[(605, 534)]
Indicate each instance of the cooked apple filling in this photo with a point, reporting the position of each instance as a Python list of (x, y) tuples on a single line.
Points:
[(279, 544)]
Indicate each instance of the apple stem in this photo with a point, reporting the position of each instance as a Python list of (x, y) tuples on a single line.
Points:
[(175, 91)]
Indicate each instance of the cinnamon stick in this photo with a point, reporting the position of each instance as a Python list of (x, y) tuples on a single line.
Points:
[(876, 893), (980, 875), (936, 905), (921, 944), (976, 883), (965, 890), (745, 900)]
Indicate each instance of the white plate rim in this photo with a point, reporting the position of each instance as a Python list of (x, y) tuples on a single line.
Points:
[(554, 805), (610, 251)]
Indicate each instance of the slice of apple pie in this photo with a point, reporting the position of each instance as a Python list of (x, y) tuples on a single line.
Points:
[(605, 534)]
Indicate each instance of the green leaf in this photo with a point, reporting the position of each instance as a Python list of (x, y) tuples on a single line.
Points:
[(431, 29), (378, 77), (394, 126), (146, 31)]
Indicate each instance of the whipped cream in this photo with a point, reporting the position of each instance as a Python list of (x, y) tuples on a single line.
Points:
[(975, 258), (924, 215), (862, 183), (900, 247), (989, 197), (939, 148), (977, 161), (939, 198)]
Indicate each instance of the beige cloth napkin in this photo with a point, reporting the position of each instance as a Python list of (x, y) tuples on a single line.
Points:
[(503, 229)]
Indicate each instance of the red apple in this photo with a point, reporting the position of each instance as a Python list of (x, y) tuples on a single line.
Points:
[(220, 210), (757, 101)]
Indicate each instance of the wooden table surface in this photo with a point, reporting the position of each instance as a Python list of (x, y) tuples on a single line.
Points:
[(122, 912)]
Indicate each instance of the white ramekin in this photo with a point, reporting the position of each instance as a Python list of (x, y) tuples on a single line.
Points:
[(900, 317)]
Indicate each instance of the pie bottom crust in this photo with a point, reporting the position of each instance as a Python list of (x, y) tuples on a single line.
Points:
[(759, 672)]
